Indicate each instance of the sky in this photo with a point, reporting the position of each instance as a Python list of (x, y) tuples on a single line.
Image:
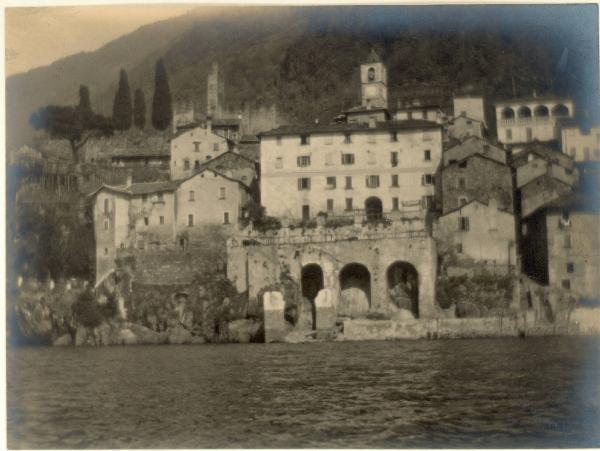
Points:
[(38, 36)]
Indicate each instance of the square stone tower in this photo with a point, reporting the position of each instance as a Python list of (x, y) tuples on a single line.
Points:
[(373, 79)]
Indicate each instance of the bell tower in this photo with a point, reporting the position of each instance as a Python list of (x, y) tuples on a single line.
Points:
[(373, 80)]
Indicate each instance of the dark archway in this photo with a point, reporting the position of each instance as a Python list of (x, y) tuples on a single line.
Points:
[(508, 113), (524, 111), (373, 208), (312, 283), (541, 111), (403, 286), (560, 110), (355, 286)]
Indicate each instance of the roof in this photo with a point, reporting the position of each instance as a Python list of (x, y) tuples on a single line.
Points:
[(227, 122), (364, 109), (229, 153), (466, 118), (454, 210), (567, 122), (373, 57), (357, 127), (479, 155), (179, 182), (544, 152), (249, 139), (136, 189), (544, 98)]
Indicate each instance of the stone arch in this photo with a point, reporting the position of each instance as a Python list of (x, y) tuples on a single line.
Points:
[(560, 110), (373, 208), (403, 286), (541, 111), (355, 290), (311, 282), (524, 111), (508, 113)]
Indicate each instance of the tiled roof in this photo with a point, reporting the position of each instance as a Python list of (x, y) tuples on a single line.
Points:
[(544, 152), (361, 127), (140, 188), (544, 98), (227, 122), (364, 109)]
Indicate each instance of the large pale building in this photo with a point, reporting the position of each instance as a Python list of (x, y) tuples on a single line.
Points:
[(580, 145), (524, 120)]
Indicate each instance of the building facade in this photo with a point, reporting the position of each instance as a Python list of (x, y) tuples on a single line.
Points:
[(342, 168), (470, 106), (580, 145), (463, 127), (525, 120)]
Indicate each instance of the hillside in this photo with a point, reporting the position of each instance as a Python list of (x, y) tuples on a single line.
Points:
[(304, 59)]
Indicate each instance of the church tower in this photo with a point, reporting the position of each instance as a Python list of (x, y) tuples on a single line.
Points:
[(215, 93), (373, 79)]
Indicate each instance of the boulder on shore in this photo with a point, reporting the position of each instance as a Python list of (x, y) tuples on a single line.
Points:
[(63, 340), (179, 335)]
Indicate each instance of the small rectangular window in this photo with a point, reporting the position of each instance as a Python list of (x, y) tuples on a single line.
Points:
[(395, 180), (106, 224), (394, 159), (222, 192), (304, 184), (462, 201), (190, 220), (347, 158), (427, 179), (395, 204), (427, 155), (459, 248), (106, 206), (197, 164), (348, 204), (529, 134), (348, 182), (330, 205), (146, 221), (305, 212), (566, 284), (331, 182), (394, 136), (304, 140), (508, 134), (462, 183), (347, 138), (372, 181), (186, 164), (196, 147), (160, 197), (279, 162), (567, 241), (215, 147), (161, 220), (226, 217), (303, 160), (192, 196), (208, 157), (144, 198), (570, 267), (463, 224), (462, 164)]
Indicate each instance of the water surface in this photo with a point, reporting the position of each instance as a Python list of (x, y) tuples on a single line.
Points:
[(455, 393)]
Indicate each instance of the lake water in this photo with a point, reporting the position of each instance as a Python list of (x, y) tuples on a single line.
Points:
[(455, 393)]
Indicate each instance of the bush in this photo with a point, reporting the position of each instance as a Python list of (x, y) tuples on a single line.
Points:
[(86, 310)]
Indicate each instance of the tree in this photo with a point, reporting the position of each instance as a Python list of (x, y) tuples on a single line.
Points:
[(85, 106), (162, 109), (72, 124), (139, 109), (122, 109)]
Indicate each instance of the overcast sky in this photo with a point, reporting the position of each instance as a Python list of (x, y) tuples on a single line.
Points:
[(39, 36)]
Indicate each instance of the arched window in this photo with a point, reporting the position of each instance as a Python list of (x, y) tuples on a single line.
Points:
[(541, 111), (560, 110), (508, 113), (524, 111)]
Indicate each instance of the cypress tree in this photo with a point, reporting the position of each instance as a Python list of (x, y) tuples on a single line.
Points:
[(162, 109), (85, 106), (122, 109), (139, 109)]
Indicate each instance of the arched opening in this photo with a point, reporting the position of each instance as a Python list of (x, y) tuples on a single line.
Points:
[(312, 283), (541, 111), (560, 110), (508, 113), (524, 111), (373, 208), (403, 286), (355, 287)]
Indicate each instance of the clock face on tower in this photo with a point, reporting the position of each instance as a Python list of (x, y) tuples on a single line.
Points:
[(371, 74)]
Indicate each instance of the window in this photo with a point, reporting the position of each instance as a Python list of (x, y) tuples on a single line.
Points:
[(303, 184), (452, 161), (146, 220), (462, 201), (459, 248), (348, 182), (222, 193), (303, 160), (508, 134), (529, 134), (144, 198), (395, 204), (347, 158), (394, 159), (372, 181), (279, 162), (197, 164), (462, 183), (161, 219), (394, 136), (304, 140), (371, 157), (305, 212), (463, 224), (106, 224), (196, 147), (565, 215), (427, 155), (105, 251), (371, 138), (215, 147), (427, 202), (347, 138), (330, 205), (395, 180), (226, 217), (191, 197), (190, 220), (106, 206), (427, 179), (566, 284), (208, 157), (328, 159), (331, 182), (160, 197), (186, 164), (567, 241), (278, 140), (348, 204), (570, 267), (462, 164)]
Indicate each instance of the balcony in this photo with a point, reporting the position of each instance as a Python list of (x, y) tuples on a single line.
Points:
[(524, 121)]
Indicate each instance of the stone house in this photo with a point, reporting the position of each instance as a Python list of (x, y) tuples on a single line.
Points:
[(133, 157), (471, 106), (475, 170), (193, 145), (579, 144), (463, 127), (480, 232)]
